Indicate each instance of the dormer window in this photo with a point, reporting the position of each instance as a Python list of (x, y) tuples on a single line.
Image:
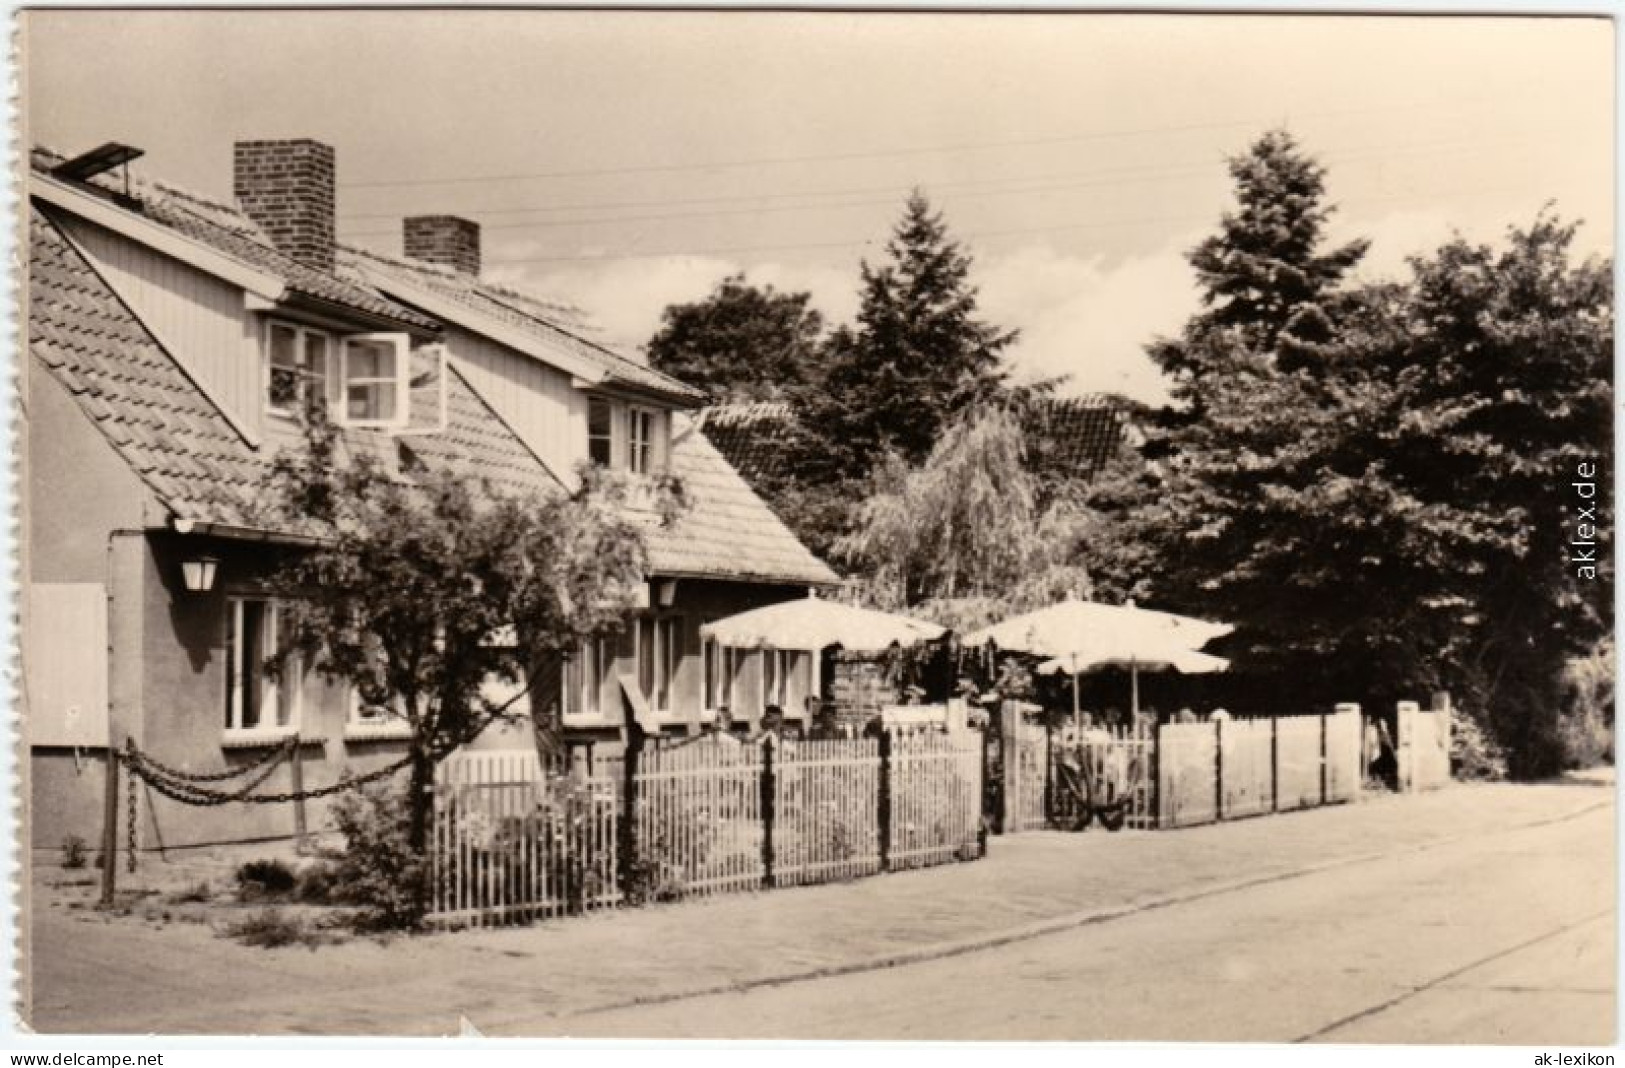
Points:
[(362, 378), (298, 368), (600, 432), (640, 442), (626, 437)]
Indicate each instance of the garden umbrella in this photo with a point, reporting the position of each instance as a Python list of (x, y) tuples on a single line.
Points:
[(1083, 635), (813, 623), (1142, 657)]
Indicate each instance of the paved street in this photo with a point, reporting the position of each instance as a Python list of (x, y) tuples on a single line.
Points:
[(1498, 939), (1478, 913)]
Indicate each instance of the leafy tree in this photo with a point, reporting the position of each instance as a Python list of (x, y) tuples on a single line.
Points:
[(423, 590), (916, 356), (742, 342), (965, 536), (1501, 368)]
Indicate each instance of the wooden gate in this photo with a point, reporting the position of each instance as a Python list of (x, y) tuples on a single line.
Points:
[(1187, 774)]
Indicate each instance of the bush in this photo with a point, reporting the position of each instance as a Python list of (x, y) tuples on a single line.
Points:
[(73, 851), (317, 883), (264, 878), (1586, 722), (378, 870), (1474, 754), (196, 893), (272, 928)]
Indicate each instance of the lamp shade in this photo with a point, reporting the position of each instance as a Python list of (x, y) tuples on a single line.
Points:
[(198, 573)]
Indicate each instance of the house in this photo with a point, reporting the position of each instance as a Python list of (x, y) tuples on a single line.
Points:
[(171, 337)]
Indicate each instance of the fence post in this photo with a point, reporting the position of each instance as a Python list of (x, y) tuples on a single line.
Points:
[(1010, 750), (1347, 708), (1275, 763), (1325, 758), (767, 811), (1218, 769), (1049, 772), (883, 802), (1156, 774), (110, 827), (627, 854), (297, 777)]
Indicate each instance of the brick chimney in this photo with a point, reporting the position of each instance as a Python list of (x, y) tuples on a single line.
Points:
[(287, 188), (445, 240)]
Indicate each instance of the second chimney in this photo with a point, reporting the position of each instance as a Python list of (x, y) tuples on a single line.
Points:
[(287, 188), (445, 240)]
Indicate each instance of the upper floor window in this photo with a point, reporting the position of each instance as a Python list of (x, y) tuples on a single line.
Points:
[(600, 431), (628, 437), (363, 379), (297, 368), (640, 440)]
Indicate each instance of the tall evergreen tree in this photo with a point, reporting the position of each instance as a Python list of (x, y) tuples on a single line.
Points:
[(917, 354), (1267, 278)]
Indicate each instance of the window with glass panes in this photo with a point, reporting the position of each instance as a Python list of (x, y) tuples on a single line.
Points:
[(600, 432), (256, 701), (297, 370)]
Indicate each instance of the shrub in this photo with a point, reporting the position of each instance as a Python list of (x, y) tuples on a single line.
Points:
[(1586, 722), (317, 883), (1473, 753), (73, 851), (378, 870), (198, 892), (272, 928), (264, 878)]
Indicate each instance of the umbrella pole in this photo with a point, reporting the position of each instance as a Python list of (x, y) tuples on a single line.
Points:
[(1134, 688), (1074, 697)]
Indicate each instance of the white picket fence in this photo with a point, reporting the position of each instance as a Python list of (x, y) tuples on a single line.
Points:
[(511, 843)]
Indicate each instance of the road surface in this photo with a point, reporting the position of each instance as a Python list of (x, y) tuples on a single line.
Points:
[(1499, 938)]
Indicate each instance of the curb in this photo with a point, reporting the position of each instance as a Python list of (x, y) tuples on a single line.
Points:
[(1071, 921)]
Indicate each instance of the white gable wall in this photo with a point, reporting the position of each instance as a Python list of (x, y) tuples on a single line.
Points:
[(537, 401), (198, 318)]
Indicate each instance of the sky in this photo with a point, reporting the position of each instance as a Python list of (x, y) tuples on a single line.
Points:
[(625, 161)]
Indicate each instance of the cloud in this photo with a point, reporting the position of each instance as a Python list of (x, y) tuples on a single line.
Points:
[(1080, 316), (1088, 318)]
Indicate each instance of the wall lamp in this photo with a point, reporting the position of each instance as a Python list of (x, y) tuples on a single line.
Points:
[(199, 573)]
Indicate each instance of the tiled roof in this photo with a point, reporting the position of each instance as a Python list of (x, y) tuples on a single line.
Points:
[(173, 436), (728, 531), (199, 467), (754, 437), (526, 314), (1074, 437), (1067, 437), (229, 231)]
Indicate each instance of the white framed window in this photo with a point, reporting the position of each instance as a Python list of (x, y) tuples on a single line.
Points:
[(256, 702), (296, 368), (721, 668), (779, 668), (658, 651), (363, 379), (374, 380), (600, 431), (640, 440), (582, 680)]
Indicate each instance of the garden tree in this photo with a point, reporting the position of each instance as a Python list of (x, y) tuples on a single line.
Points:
[(1396, 517), (1501, 368), (1267, 279), (436, 598), (964, 537), (916, 356), (741, 343)]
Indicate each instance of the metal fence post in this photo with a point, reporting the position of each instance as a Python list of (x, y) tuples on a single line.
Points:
[(1218, 770), (627, 854), (1324, 758), (767, 811), (883, 802), (110, 827), (1156, 775), (297, 777), (1275, 763)]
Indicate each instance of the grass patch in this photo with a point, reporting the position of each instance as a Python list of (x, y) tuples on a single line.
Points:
[(273, 928)]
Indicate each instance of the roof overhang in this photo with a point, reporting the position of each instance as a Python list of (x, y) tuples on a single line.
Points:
[(446, 309), (259, 284), (612, 386)]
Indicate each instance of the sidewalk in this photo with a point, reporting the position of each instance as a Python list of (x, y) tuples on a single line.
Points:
[(115, 975)]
